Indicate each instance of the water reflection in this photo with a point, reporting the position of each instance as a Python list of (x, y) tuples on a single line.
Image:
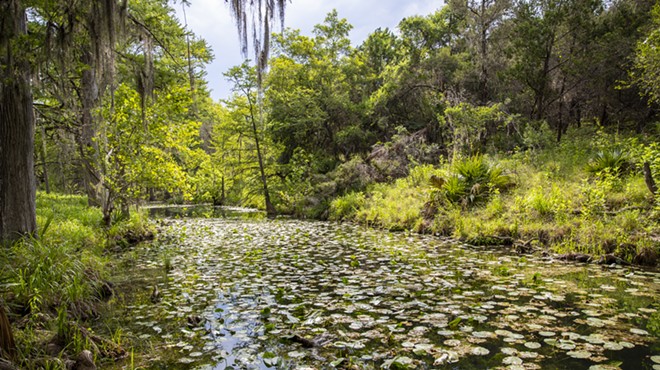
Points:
[(204, 211)]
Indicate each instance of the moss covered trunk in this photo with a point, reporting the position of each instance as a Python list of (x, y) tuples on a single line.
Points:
[(17, 179)]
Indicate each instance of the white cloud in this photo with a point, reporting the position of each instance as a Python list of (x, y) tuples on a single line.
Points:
[(211, 20)]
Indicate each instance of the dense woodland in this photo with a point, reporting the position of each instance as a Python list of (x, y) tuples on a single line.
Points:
[(123, 113), (531, 123)]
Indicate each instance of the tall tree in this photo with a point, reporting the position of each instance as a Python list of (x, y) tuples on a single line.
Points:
[(481, 20), (17, 179), (261, 15), (646, 72), (243, 78)]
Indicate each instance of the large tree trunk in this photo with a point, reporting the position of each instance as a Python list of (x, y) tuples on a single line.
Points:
[(271, 212), (17, 178), (89, 149)]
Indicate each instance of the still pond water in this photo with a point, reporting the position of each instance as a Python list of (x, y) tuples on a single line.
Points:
[(236, 290)]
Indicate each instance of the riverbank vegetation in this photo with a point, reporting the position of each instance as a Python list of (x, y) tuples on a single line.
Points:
[(444, 86), (571, 198), (56, 284)]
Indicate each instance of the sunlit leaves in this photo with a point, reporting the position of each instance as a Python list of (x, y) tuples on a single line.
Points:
[(647, 61), (157, 155)]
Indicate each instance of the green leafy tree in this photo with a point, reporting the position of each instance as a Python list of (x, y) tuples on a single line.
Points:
[(310, 92), (482, 23), (422, 77), (646, 72), (244, 80)]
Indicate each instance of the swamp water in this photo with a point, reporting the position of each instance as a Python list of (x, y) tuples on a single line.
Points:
[(244, 292)]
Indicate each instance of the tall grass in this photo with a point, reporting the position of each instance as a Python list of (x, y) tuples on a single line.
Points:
[(60, 273)]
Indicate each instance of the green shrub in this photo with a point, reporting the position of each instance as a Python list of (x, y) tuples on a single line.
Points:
[(134, 229), (419, 175), (592, 199), (345, 207), (612, 161), (472, 181), (548, 202), (394, 207), (538, 135), (354, 175)]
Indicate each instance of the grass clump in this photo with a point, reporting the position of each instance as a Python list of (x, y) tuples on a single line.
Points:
[(396, 206), (347, 206)]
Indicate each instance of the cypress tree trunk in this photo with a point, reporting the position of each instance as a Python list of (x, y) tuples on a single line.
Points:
[(89, 149), (17, 178), (270, 209)]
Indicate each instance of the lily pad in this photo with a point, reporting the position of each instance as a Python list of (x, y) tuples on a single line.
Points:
[(479, 351), (483, 334), (639, 331), (509, 351), (613, 346), (296, 354), (512, 360), (447, 357), (532, 345), (579, 354), (528, 354), (399, 362), (565, 345)]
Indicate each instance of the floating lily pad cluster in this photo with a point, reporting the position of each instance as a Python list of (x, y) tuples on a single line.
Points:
[(295, 294)]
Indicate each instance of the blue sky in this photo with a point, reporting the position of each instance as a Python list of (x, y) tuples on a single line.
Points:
[(211, 20)]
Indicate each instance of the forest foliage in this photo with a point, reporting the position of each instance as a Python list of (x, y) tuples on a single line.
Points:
[(473, 84), (472, 78)]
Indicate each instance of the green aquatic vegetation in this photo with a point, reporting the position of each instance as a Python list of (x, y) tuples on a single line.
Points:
[(653, 324), (167, 262), (440, 302), (502, 271)]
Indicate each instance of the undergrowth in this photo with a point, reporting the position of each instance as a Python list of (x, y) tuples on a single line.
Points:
[(61, 273), (586, 195)]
